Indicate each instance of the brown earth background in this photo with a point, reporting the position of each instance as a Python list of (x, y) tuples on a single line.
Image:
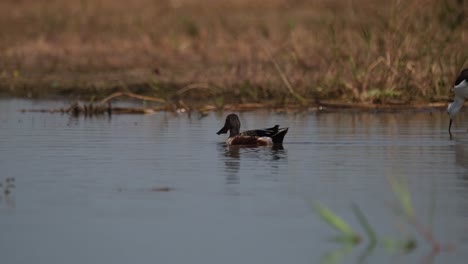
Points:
[(274, 52)]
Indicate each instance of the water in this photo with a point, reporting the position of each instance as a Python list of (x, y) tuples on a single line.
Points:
[(163, 188)]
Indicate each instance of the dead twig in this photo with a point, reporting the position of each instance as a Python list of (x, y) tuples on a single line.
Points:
[(129, 94), (194, 86), (285, 80)]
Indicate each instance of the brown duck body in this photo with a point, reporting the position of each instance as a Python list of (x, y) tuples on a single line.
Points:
[(257, 137)]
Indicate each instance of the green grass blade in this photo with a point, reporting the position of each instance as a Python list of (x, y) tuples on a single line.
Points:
[(333, 220), (364, 223), (347, 239), (336, 256), (392, 245), (401, 192)]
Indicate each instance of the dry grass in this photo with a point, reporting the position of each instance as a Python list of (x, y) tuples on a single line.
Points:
[(235, 50)]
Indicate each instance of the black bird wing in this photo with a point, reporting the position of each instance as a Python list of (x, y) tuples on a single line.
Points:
[(266, 132), (462, 77)]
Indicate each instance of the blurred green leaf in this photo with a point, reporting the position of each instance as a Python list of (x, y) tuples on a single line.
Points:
[(406, 246), (336, 256), (364, 223), (333, 220), (400, 190)]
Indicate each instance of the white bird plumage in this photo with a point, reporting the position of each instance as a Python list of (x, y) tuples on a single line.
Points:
[(460, 88)]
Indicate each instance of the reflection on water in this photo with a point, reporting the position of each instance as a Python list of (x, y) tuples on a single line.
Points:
[(140, 188), (234, 155), (461, 154), (461, 158), (232, 163), (7, 189)]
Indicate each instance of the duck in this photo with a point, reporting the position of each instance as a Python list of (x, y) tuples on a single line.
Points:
[(460, 88), (257, 137)]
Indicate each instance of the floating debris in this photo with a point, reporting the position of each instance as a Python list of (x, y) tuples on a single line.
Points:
[(79, 108), (151, 189), (7, 185), (161, 189), (103, 107)]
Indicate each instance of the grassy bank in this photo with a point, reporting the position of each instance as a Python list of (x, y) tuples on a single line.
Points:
[(235, 51)]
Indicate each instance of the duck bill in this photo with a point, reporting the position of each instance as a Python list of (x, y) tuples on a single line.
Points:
[(223, 130), (450, 124)]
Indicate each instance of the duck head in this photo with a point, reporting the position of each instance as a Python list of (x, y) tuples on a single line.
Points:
[(232, 125)]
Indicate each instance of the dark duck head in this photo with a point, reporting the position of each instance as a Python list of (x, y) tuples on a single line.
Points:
[(232, 125)]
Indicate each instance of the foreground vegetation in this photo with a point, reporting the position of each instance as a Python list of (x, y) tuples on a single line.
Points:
[(276, 52), (405, 214)]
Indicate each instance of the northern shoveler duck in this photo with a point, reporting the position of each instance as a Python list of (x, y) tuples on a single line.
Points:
[(258, 137), (461, 93)]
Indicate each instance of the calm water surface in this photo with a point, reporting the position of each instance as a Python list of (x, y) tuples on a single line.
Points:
[(163, 188)]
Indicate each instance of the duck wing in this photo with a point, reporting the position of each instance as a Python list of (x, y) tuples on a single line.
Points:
[(266, 132), (275, 133)]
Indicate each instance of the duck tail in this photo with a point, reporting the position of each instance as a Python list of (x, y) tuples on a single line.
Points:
[(279, 136)]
